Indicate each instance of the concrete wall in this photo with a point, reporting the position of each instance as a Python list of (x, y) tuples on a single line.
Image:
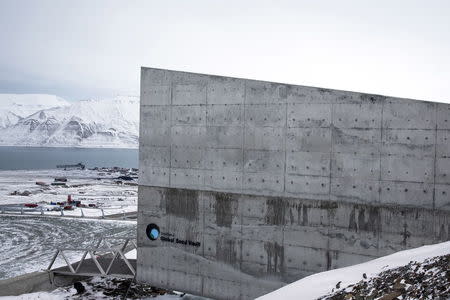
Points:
[(34, 282), (257, 184)]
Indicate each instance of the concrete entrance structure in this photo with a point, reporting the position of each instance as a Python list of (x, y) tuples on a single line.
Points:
[(248, 185)]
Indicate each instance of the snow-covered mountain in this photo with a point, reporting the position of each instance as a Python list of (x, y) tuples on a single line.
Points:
[(53, 122), (14, 107)]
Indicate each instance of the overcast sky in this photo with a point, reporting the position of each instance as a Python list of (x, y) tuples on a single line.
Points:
[(93, 48)]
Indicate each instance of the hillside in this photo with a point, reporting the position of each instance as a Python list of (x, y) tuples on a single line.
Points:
[(14, 107), (49, 121)]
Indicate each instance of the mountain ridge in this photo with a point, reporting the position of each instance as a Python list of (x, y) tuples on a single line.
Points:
[(92, 123)]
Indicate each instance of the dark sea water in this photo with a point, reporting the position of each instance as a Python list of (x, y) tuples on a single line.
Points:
[(32, 158)]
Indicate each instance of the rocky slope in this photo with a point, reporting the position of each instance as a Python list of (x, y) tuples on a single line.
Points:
[(427, 280)]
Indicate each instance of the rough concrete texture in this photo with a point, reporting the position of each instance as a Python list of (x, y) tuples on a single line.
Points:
[(256, 184)]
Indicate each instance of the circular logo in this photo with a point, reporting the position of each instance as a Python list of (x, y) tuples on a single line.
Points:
[(153, 231)]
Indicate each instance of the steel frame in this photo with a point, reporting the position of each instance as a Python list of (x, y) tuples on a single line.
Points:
[(115, 250)]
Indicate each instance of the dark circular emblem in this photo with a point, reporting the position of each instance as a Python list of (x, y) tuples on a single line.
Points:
[(153, 231)]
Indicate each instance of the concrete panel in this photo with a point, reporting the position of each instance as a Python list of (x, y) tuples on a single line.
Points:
[(346, 241), (223, 180), (362, 115), (225, 115), (155, 156), (187, 158), (361, 166), (443, 116), (156, 95), (264, 161), (156, 136), (307, 185), (311, 213), (308, 139), (308, 163), (253, 206), (442, 201), (306, 236), (151, 199), (271, 115), (258, 92), (223, 246), (189, 115), (407, 141), (362, 218), (264, 138), (155, 116), (443, 170), (309, 115), (407, 168), (224, 137), (152, 77), (407, 193), (185, 178), (226, 93), (187, 78), (188, 136), (223, 159), (404, 114), (364, 140), (305, 94), (355, 190), (261, 183), (443, 143), (153, 176), (306, 258), (259, 253), (189, 94)]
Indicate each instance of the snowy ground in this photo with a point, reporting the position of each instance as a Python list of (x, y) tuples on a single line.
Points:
[(90, 187), (27, 243), (321, 284), (106, 289)]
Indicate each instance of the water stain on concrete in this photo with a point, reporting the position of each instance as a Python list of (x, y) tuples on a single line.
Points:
[(352, 220), (374, 222), (359, 222), (226, 251), (443, 235), (182, 203), (225, 209), (276, 210), (304, 215), (275, 258)]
